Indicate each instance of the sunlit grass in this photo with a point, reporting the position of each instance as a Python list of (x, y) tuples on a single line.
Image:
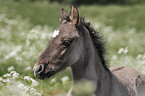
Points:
[(25, 32)]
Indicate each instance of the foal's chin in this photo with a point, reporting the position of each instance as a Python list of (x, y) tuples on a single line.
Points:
[(43, 76)]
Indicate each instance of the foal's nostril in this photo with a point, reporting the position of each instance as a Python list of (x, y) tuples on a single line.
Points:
[(40, 69), (47, 63)]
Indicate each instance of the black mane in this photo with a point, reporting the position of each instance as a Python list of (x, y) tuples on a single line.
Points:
[(98, 42)]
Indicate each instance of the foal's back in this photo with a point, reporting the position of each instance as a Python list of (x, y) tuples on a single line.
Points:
[(130, 81)]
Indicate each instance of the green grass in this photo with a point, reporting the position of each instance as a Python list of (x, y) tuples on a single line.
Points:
[(25, 28), (38, 13), (119, 17)]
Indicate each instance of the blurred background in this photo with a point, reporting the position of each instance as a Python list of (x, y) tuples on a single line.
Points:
[(25, 28)]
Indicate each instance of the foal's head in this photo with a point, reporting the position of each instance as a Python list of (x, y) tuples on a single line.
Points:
[(63, 48), (72, 43)]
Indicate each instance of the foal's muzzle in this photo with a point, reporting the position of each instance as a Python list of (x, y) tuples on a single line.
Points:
[(43, 71)]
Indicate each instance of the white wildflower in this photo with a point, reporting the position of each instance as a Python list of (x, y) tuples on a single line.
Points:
[(53, 80), (7, 75), (14, 74), (1, 79), (21, 85), (37, 94), (34, 82), (27, 78), (120, 50), (4, 80), (27, 68), (64, 79), (114, 57), (26, 88), (7, 80), (1, 84), (10, 68), (32, 90), (123, 50), (139, 56)]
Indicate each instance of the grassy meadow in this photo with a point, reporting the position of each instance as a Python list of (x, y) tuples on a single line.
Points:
[(25, 28)]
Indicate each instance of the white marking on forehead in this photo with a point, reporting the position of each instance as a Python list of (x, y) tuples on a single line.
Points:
[(55, 33)]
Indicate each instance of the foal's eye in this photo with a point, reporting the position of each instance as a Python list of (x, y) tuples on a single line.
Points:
[(66, 43)]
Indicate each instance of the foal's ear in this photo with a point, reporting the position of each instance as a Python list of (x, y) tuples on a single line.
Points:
[(64, 16), (74, 15)]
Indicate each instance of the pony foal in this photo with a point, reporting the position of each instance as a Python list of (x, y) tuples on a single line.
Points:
[(74, 43)]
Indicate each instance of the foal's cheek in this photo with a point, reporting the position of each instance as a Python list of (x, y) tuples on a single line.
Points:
[(62, 53), (54, 53)]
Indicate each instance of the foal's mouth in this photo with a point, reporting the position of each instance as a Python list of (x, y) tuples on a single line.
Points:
[(43, 76)]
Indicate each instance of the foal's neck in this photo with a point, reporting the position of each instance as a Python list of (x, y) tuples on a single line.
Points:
[(90, 68)]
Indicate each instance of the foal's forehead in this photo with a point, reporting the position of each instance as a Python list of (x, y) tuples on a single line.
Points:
[(67, 28), (65, 31)]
